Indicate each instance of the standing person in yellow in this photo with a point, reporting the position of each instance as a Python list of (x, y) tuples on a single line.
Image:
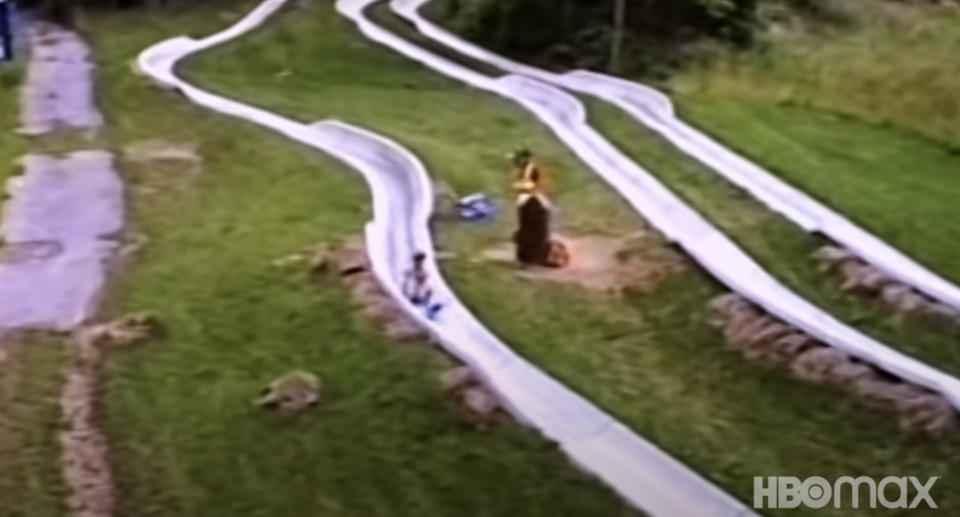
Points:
[(529, 176), (534, 245)]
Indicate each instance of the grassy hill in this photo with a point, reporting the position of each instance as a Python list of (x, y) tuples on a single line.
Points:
[(185, 439)]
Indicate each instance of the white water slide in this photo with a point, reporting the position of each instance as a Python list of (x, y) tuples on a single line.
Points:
[(713, 250), (402, 203), (655, 110)]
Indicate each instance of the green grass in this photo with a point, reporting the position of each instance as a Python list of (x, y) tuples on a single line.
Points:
[(30, 379), (779, 246), (889, 62), (185, 439), (894, 183), (11, 145), (863, 115), (650, 359)]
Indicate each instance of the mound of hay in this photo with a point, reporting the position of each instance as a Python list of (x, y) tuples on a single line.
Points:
[(125, 331), (764, 339), (860, 276), (294, 392), (469, 390)]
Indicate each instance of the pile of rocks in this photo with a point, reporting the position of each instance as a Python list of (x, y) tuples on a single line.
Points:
[(767, 340), (863, 277), (468, 388), (349, 262)]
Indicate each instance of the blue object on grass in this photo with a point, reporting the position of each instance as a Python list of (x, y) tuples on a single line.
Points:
[(476, 207)]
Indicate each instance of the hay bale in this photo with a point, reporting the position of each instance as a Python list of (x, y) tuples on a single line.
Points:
[(943, 310), (786, 348), (125, 331), (911, 302), (364, 288), (294, 392), (853, 274), (832, 256), (930, 414), (479, 402), (818, 364), (794, 344), (403, 330), (771, 333), (381, 310), (318, 260), (846, 374), (350, 259), (456, 378), (886, 395), (742, 326), (725, 303), (875, 280), (892, 293)]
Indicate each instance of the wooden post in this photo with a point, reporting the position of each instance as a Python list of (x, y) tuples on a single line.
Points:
[(616, 45)]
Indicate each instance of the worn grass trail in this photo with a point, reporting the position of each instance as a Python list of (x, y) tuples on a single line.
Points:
[(650, 359), (30, 379)]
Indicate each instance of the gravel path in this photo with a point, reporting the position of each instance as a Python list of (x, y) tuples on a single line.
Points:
[(58, 93), (58, 227)]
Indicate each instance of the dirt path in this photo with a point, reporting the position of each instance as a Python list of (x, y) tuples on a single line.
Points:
[(60, 229)]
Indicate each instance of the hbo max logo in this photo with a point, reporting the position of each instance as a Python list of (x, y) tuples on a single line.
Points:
[(816, 492)]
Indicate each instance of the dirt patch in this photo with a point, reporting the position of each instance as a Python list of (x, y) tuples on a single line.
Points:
[(84, 457), (471, 393), (599, 263), (86, 469), (162, 150), (161, 164), (764, 339)]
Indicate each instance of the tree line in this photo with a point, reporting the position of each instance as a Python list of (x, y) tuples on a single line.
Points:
[(638, 35)]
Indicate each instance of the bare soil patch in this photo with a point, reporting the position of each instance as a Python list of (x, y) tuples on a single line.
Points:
[(161, 164), (600, 263)]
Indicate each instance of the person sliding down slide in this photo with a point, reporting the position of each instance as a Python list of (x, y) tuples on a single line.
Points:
[(415, 286)]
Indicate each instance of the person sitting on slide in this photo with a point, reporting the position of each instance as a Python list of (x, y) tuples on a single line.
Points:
[(415, 286)]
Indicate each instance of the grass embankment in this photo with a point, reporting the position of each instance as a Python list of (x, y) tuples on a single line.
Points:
[(185, 439), (30, 380), (782, 248), (885, 62), (651, 359), (11, 145), (863, 116), (897, 184)]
